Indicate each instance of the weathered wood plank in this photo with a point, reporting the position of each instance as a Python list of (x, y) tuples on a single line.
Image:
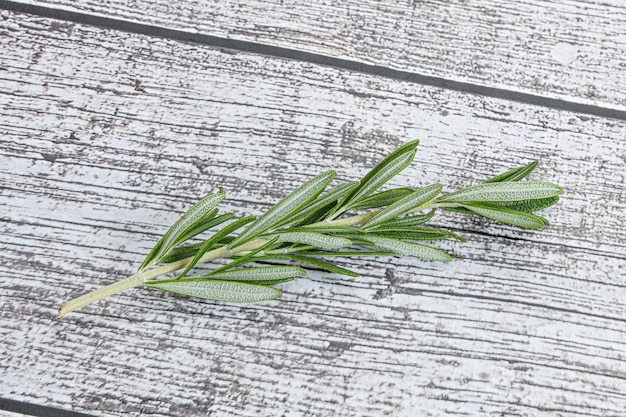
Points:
[(574, 49), (107, 137)]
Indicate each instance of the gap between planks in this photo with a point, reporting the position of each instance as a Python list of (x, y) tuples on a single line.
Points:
[(21, 408), (124, 25)]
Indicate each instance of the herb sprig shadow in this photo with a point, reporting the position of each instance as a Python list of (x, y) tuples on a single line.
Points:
[(311, 223)]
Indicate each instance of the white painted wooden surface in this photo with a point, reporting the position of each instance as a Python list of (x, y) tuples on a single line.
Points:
[(572, 49), (108, 136)]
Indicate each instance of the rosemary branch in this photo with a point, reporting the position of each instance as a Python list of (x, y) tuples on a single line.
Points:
[(309, 223)]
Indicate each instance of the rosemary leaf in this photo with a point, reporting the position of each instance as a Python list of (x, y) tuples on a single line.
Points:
[(505, 192), (151, 258), (382, 175), (408, 147), (233, 292), (315, 239), (404, 222), (411, 202), (423, 252), (416, 233), (285, 207), (257, 275), (327, 266), (205, 224), (320, 203), (506, 215), (213, 240), (378, 176), (349, 253), (181, 252), (382, 199), (516, 174), (327, 229), (530, 206), (183, 225)]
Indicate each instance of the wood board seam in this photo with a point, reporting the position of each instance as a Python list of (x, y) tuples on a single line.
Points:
[(565, 104), (31, 409)]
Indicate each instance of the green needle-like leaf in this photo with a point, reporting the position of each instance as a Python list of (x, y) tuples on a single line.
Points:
[(315, 239), (203, 225), (504, 192), (506, 215), (181, 252), (286, 207), (183, 225), (191, 217), (320, 203), (177, 253), (530, 206), (330, 229), (409, 203), (215, 239), (516, 174), (423, 252), (349, 253), (327, 266), (406, 148), (416, 233), (391, 165), (405, 222), (150, 259), (386, 172), (258, 275), (198, 226), (234, 292), (382, 199)]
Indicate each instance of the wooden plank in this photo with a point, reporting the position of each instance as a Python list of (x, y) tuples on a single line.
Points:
[(107, 137), (572, 50)]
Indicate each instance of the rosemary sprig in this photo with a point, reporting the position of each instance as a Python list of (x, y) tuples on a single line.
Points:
[(309, 223)]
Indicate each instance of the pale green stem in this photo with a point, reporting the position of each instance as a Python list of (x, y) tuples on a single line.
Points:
[(147, 275)]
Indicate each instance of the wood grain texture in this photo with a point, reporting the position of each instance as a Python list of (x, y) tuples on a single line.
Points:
[(107, 137), (573, 49)]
